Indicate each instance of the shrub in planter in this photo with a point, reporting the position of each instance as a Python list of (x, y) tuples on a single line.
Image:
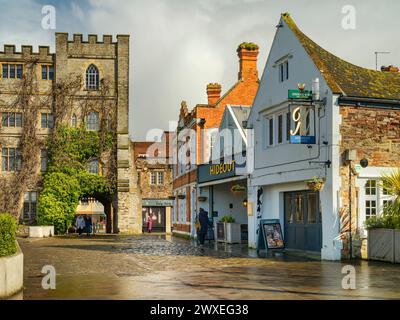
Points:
[(8, 230), (228, 219)]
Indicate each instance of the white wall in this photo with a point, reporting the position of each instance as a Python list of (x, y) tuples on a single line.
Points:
[(223, 197), (286, 167)]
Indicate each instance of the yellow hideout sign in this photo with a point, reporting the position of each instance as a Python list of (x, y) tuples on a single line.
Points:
[(217, 169)]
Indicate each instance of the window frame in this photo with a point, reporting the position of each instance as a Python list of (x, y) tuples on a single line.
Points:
[(8, 158), (92, 77), (12, 70)]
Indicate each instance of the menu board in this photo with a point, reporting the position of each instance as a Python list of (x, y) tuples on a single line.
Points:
[(273, 235)]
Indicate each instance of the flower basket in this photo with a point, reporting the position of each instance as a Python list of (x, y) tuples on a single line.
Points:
[(316, 184), (238, 190), (202, 198)]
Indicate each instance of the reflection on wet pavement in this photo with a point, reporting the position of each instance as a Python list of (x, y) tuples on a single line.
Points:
[(162, 267)]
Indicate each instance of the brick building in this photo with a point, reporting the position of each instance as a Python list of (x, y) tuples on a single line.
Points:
[(197, 130), (96, 62), (353, 113), (153, 167)]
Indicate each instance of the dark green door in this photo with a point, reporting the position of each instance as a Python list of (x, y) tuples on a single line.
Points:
[(303, 227)]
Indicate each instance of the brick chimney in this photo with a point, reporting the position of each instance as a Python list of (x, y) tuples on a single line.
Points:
[(248, 53), (213, 93), (390, 68)]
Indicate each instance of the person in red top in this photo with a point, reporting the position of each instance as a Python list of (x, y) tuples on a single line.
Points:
[(149, 222)]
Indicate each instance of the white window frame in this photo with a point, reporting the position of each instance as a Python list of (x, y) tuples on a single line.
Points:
[(379, 197)]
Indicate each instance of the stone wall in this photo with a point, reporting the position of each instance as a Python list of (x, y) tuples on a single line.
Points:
[(375, 134)]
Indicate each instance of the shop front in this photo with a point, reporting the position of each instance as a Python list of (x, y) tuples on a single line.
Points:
[(159, 210), (223, 194)]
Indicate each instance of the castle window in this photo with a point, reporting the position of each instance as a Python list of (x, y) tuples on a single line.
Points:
[(47, 72), (12, 119), (43, 160), (92, 121), (47, 121), (11, 159), (92, 78), (12, 71), (153, 178), (29, 209), (93, 166), (74, 120)]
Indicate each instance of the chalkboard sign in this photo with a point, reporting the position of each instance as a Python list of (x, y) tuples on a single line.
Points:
[(270, 235)]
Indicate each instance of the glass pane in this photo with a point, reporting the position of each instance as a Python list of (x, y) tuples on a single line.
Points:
[(312, 208), (4, 119), (18, 120), (11, 119), (288, 116), (288, 208), (50, 121), (271, 131), (12, 70), (280, 128), (299, 208), (51, 73), (19, 71), (5, 71), (44, 120), (44, 72)]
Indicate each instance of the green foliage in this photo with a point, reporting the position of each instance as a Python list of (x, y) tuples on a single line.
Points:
[(8, 230), (228, 219), (67, 180), (248, 46), (390, 219)]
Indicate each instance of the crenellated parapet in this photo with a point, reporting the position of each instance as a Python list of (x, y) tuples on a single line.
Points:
[(27, 52)]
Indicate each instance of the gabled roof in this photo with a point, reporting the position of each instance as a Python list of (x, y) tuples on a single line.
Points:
[(346, 78)]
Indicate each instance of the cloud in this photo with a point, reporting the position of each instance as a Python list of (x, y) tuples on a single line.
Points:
[(178, 46)]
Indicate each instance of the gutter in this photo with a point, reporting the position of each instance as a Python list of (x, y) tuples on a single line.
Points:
[(369, 102)]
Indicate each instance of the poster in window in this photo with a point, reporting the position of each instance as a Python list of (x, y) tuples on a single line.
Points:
[(273, 236)]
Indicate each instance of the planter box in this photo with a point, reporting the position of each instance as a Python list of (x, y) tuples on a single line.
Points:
[(11, 274), (228, 232), (41, 231), (384, 245)]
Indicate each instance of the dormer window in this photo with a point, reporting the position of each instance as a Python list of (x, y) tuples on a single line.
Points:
[(92, 78), (283, 71)]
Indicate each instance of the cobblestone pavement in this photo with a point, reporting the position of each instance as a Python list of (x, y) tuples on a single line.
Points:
[(163, 267)]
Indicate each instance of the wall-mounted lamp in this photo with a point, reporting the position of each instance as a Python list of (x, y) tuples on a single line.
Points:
[(245, 203)]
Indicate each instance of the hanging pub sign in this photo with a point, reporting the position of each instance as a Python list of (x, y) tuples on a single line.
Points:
[(300, 94), (302, 123)]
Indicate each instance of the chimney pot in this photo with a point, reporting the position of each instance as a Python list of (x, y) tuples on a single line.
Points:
[(248, 53), (213, 93)]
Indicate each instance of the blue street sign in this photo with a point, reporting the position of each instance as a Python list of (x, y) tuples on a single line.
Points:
[(302, 139)]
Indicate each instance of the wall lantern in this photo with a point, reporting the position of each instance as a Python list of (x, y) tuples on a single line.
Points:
[(364, 163), (245, 203)]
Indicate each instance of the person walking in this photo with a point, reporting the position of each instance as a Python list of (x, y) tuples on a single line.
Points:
[(203, 219), (80, 224), (149, 222), (88, 225)]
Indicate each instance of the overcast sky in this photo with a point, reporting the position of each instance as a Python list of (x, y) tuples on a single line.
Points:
[(178, 46)]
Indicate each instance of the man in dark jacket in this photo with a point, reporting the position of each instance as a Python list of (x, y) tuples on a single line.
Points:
[(203, 219)]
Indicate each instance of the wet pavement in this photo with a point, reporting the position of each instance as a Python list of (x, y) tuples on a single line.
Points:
[(164, 267)]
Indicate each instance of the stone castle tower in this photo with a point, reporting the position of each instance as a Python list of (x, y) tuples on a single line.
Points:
[(94, 61)]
